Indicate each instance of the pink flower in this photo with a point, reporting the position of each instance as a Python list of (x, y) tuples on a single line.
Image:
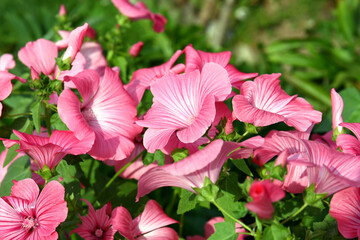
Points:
[(184, 104), (136, 48), (263, 194), (196, 59), (50, 150), (39, 56), (143, 78), (348, 143), (3, 170), (106, 116), (62, 10), (262, 102), (189, 172), (345, 208), (97, 224), (210, 229), (27, 215), (93, 53), (6, 62), (150, 224), (140, 11), (337, 106), (75, 41)]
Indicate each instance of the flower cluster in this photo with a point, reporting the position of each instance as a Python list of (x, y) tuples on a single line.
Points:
[(203, 131)]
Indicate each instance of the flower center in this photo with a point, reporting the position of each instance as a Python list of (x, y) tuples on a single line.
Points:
[(98, 232), (29, 223)]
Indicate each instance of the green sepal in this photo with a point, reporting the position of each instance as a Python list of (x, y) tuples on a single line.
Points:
[(250, 128), (159, 156), (46, 172), (311, 198), (208, 192), (179, 154), (63, 64)]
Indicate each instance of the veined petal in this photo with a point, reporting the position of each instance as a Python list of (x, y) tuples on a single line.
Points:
[(337, 107), (122, 222), (51, 208), (39, 55), (69, 111), (6, 62), (153, 217), (215, 81), (25, 189), (160, 234), (348, 144), (76, 38)]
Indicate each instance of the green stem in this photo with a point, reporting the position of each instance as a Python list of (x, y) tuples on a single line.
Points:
[(47, 118), (295, 214), (181, 227), (252, 233), (19, 114), (242, 136), (117, 174)]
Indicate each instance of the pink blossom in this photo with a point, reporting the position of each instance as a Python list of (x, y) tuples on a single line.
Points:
[(337, 106), (140, 11), (143, 78), (210, 229), (345, 208), (62, 10), (107, 114), (150, 224), (348, 143), (94, 58), (97, 224), (184, 104), (39, 56), (76, 38), (6, 62), (27, 215), (196, 59), (263, 194), (189, 172), (136, 48), (262, 102), (50, 150), (329, 170)]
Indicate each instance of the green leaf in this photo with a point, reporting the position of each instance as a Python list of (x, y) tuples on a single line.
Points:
[(187, 201), (57, 123), (18, 170), (345, 19), (296, 59), (228, 202), (224, 231), (66, 171), (276, 232), (179, 154), (122, 63), (242, 166), (36, 111), (351, 112), (209, 191), (148, 158), (159, 156), (11, 154)]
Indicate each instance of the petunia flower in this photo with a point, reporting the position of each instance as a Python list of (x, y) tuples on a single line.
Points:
[(50, 150), (345, 208), (140, 11), (262, 102), (150, 224), (142, 79), (196, 59), (27, 215), (190, 172), (97, 224), (107, 114), (263, 194), (184, 104)]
